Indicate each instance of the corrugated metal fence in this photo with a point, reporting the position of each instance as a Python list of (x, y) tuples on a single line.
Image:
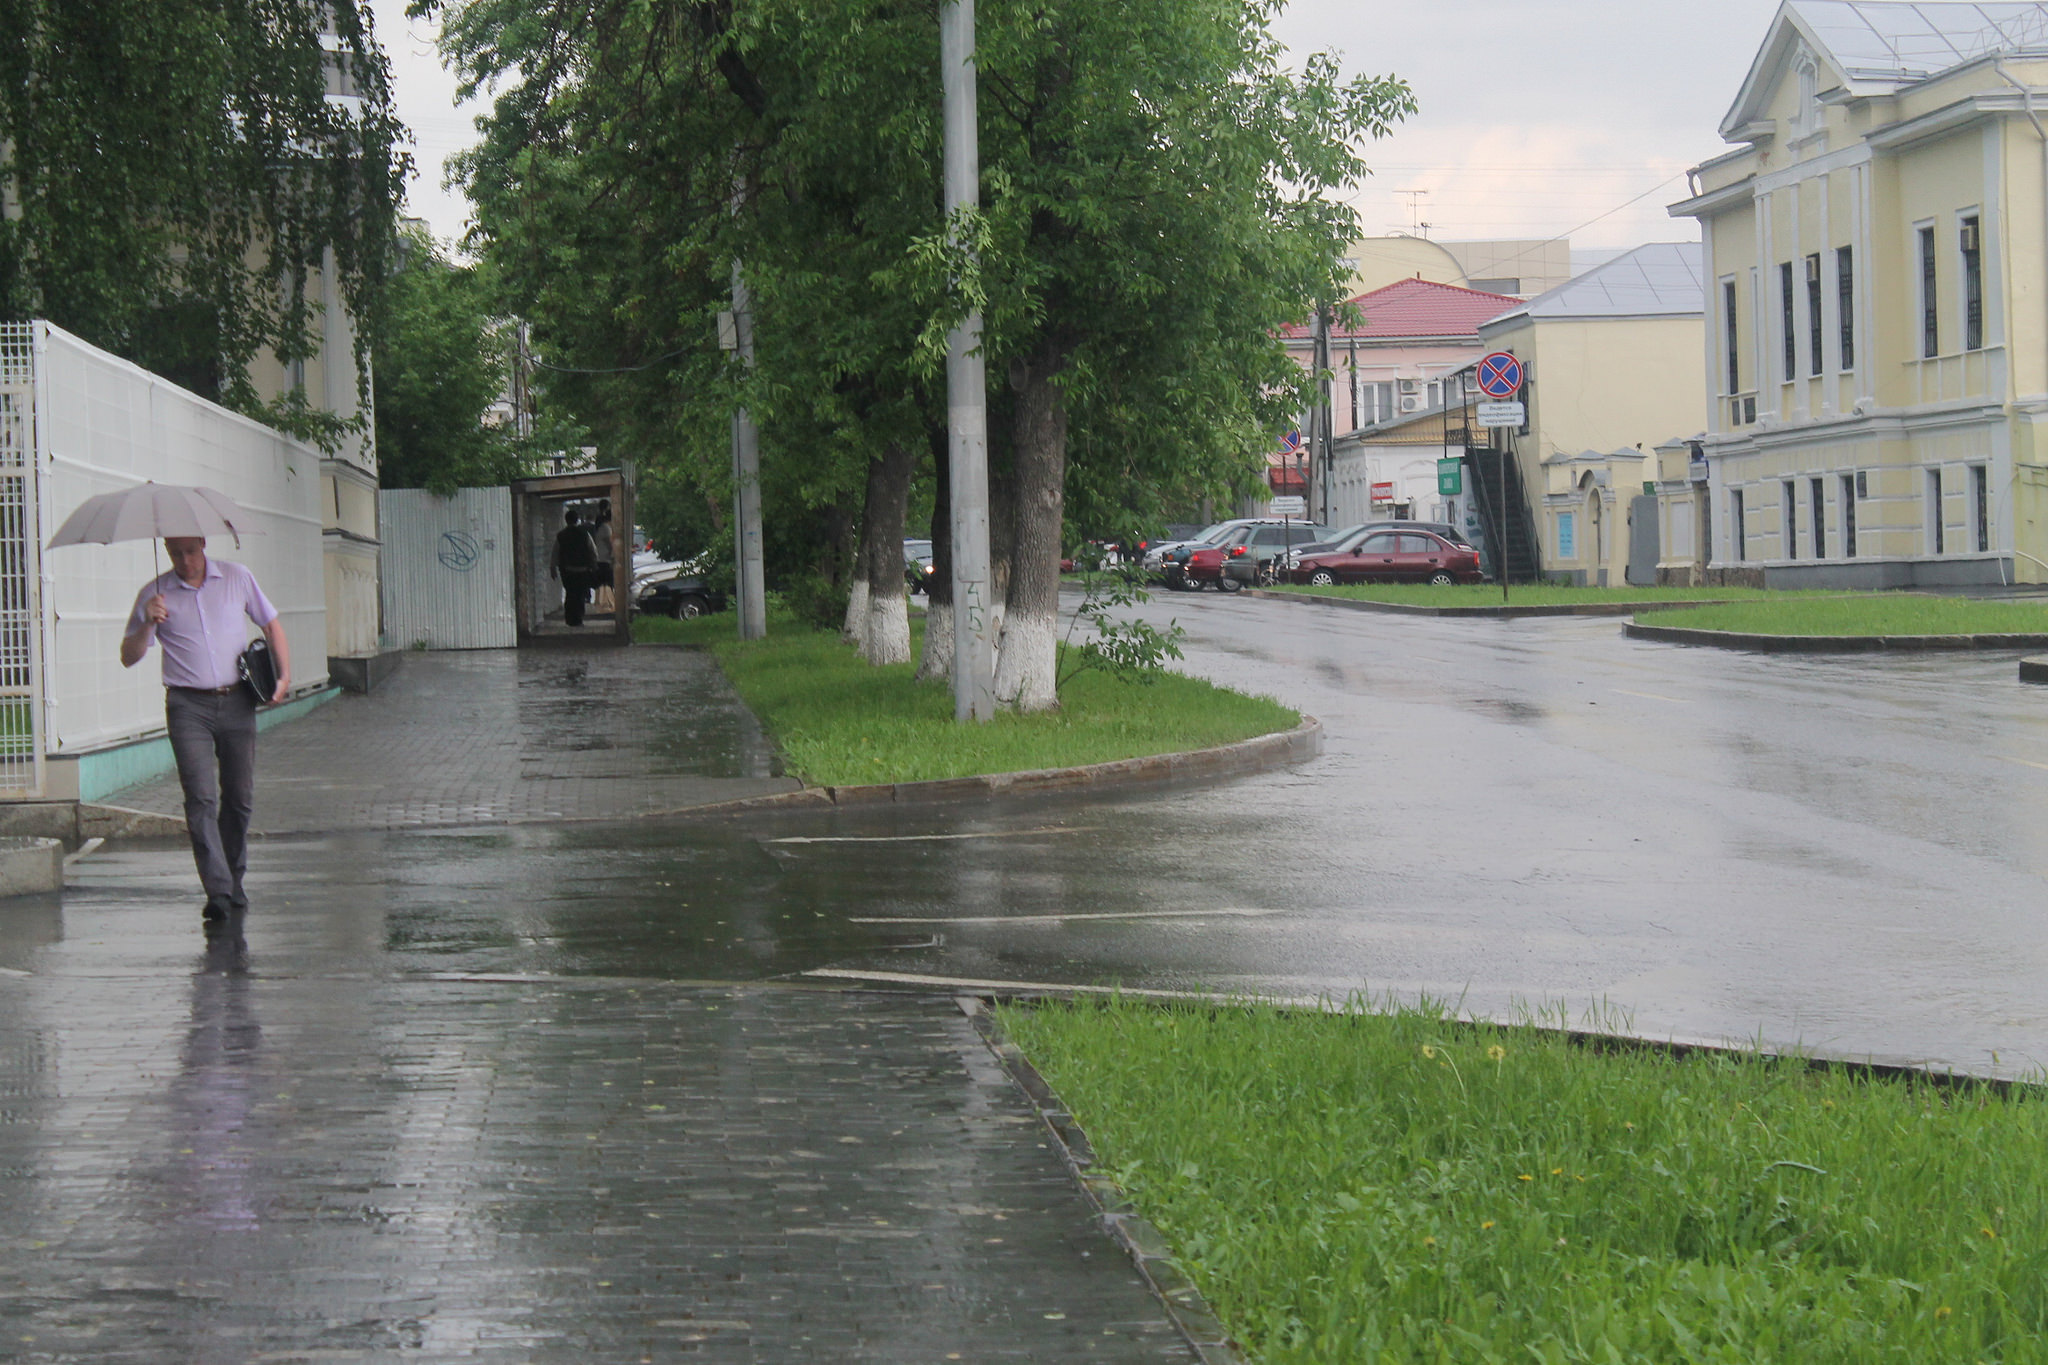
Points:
[(448, 568)]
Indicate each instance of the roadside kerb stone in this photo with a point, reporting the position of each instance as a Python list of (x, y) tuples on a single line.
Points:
[(30, 865), (1259, 754), (1504, 613), (2034, 670), (1140, 1239), (1829, 644)]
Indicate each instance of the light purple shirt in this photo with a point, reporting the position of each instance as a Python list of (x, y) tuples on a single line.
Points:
[(204, 633)]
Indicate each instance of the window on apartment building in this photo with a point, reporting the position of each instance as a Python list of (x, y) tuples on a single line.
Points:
[(1732, 347), (1972, 239), (1930, 314), (1937, 534), (1845, 304), (1980, 505), (1791, 492), (1818, 489), (1848, 516), (1814, 349), (1738, 527), (1785, 316), (1567, 535), (1375, 403)]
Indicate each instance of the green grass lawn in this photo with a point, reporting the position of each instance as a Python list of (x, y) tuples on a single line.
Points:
[(1519, 594), (1865, 614), (1394, 1187), (840, 721)]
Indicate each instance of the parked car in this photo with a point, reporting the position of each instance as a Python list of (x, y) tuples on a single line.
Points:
[(1351, 535), (684, 597), (1388, 556), (1168, 559), (1264, 550), (917, 563)]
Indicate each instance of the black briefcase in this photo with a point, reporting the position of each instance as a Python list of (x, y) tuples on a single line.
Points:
[(259, 671)]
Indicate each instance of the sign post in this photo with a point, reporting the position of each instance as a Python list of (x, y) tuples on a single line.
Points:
[(1500, 379)]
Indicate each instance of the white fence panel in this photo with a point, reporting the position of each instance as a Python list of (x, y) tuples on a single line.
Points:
[(448, 568), (102, 425), (21, 670)]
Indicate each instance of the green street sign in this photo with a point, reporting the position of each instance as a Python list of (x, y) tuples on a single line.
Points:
[(1450, 478)]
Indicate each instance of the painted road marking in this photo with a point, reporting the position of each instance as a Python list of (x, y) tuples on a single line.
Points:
[(1058, 919), (2027, 761), (1652, 696), (933, 838)]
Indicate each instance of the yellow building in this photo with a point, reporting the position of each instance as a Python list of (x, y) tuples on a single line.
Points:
[(1611, 363), (1877, 259)]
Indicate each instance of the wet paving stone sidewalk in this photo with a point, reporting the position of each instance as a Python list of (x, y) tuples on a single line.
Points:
[(236, 1167), (493, 736)]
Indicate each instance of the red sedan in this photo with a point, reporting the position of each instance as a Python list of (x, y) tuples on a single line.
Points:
[(1205, 566), (1393, 557)]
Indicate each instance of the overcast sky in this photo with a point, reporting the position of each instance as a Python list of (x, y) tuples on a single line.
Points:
[(1538, 117)]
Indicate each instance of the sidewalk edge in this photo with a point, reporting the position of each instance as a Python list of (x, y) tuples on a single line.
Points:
[(1261, 753), (1830, 644), (1143, 1242)]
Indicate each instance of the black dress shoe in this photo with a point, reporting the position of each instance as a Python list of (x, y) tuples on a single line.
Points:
[(216, 910)]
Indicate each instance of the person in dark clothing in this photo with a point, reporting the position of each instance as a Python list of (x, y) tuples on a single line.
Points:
[(574, 562)]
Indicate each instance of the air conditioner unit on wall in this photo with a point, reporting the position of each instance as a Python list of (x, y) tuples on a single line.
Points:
[(1408, 386), (1411, 404)]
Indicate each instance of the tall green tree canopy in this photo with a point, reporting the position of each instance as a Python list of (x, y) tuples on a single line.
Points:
[(442, 359), (173, 169), (1158, 201)]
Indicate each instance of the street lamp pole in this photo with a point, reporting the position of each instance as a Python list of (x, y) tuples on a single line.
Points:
[(974, 670)]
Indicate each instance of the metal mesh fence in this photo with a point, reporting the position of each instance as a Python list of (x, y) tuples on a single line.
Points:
[(20, 568)]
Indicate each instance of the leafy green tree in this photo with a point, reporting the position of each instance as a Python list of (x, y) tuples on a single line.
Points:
[(173, 170), (441, 360), (1157, 204)]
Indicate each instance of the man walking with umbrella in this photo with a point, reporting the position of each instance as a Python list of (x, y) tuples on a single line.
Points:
[(195, 612)]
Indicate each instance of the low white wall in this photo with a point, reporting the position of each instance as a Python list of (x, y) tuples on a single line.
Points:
[(102, 425)]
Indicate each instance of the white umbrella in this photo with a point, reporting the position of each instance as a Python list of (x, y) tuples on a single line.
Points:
[(151, 511)]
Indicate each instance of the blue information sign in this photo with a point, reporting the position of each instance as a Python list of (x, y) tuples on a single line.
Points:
[(1500, 376)]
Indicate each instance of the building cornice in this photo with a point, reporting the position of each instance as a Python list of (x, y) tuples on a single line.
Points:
[(1948, 119), (1712, 202)]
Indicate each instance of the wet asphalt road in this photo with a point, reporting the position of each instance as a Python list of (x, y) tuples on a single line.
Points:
[(1845, 854)]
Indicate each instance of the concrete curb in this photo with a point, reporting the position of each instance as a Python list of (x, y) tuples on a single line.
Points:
[(74, 822), (1144, 1243), (1830, 644), (1260, 754), (1506, 613), (31, 866), (2034, 670)]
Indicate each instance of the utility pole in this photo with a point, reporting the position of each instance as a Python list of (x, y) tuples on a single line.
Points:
[(974, 654), (746, 476), (1324, 455)]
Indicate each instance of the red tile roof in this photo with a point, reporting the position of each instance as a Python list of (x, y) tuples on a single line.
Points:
[(1420, 308)]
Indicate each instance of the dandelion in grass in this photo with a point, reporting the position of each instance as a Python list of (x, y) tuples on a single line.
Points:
[(1429, 1052), (1429, 1241), (1943, 1311), (1525, 1177), (1496, 1053), (1485, 1225)]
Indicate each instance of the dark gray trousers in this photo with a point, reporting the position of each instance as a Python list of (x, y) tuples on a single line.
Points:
[(213, 736)]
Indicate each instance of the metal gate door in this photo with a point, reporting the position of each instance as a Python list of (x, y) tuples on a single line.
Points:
[(21, 644), (1644, 541)]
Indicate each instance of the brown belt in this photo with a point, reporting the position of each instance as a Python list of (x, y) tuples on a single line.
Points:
[(207, 691)]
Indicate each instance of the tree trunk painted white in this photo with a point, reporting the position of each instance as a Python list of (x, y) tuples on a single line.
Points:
[(937, 662), (887, 638), (885, 633), (856, 622), (1029, 654), (856, 610)]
